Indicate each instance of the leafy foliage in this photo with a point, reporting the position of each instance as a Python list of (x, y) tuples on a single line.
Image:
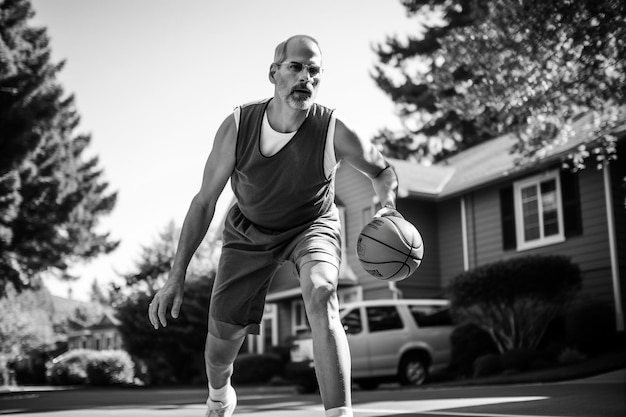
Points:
[(51, 195), (469, 342), (173, 354), (25, 322), (483, 68), (515, 300), (91, 367), (254, 368), (154, 264)]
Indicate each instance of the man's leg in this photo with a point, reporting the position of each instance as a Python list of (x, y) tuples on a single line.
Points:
[(318, 281), (219, 355)]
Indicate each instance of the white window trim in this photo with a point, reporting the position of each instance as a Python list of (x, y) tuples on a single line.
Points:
[(519, 218), (256, 342), (343, 293), (296, 327)]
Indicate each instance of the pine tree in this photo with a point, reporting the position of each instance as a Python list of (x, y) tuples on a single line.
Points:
[(484, 68), (51, 195)]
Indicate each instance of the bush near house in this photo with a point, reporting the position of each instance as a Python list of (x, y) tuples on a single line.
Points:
[(174, 354), (468, 343), (515, 300), (504, 311), (590, 327), (91, 367), (254, 368)]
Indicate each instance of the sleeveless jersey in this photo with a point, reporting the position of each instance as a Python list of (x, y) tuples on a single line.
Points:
[(289, 188)]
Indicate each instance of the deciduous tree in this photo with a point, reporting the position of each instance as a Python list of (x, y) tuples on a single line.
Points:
[(483, 68)]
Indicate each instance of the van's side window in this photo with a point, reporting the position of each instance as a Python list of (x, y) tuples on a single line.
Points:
[(383, 318), (431, 316), (352, 322)]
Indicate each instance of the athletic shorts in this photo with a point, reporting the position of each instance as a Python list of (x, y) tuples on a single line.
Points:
[(251, 256)]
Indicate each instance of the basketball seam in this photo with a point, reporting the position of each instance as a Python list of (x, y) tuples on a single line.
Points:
[(402, 265), (384, 244), (401, 235), (406, 255)]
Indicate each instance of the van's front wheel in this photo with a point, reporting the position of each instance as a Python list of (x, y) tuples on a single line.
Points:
[(413, 370)]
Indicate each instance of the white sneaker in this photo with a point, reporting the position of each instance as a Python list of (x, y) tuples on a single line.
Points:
[(222, 409)]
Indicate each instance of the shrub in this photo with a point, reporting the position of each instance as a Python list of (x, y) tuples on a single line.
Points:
[(252, 368), (84, 366), (591, 327), (487, 365), (570, 355), (516, 299), (469, 342), (69, 368), (517, 359), (110, 368), (174, 354)]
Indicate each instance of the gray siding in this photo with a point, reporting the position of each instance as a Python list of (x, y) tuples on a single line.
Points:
[(450, 239), (426, 280), (354, 191), (486, 226), (589, 250)]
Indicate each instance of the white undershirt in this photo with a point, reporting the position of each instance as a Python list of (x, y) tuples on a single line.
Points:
[(272, 141)]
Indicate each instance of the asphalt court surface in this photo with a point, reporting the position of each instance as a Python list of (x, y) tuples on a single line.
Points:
[(601, 396)]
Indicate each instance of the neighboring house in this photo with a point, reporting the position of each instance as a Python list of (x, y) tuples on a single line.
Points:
[(475, 208), (104, 335)]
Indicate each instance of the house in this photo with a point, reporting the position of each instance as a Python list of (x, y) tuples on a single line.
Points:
[(104, 335), (475, 208)]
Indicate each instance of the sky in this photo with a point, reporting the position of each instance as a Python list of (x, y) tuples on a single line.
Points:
[(154, 79)]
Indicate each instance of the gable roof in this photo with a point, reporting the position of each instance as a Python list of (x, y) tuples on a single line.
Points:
[(421, 180), (483, 164)]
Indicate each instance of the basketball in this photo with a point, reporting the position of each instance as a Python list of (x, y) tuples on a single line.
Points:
[(390, 248)]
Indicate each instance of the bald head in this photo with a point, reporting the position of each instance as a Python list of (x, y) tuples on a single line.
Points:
[(280, 54)]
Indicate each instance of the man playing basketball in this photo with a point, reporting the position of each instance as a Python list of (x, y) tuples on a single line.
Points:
[(281, 156)]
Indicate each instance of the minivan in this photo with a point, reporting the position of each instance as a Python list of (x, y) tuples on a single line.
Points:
[(401, 340)]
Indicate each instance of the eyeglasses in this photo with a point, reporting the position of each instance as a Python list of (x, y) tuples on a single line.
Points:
[(297, 67)]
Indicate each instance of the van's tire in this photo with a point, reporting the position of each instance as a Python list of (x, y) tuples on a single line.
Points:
[(413, 369), (367, 383)]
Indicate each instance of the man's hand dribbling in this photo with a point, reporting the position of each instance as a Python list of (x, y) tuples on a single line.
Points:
[(388, 212), (170, 295)]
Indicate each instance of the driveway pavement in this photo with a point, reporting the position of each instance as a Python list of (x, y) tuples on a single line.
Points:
[(597, 396)]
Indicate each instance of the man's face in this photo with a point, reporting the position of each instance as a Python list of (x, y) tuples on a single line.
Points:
[(297, 78)]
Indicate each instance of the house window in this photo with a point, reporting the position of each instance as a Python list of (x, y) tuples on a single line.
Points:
[(268, 336), (299, 321), (368, 212), (538, 211), (350, 295)]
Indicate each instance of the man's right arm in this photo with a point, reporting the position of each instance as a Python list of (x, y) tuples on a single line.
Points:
[(218, 169)]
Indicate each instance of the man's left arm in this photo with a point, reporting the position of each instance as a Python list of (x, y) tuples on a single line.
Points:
[(364, 156)]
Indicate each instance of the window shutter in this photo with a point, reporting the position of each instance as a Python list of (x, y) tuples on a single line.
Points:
[(507, 215), (570, 194)]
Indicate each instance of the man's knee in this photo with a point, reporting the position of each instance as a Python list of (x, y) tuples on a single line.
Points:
[(319, 289), (322, 304), (220, 353), (322, 295)]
